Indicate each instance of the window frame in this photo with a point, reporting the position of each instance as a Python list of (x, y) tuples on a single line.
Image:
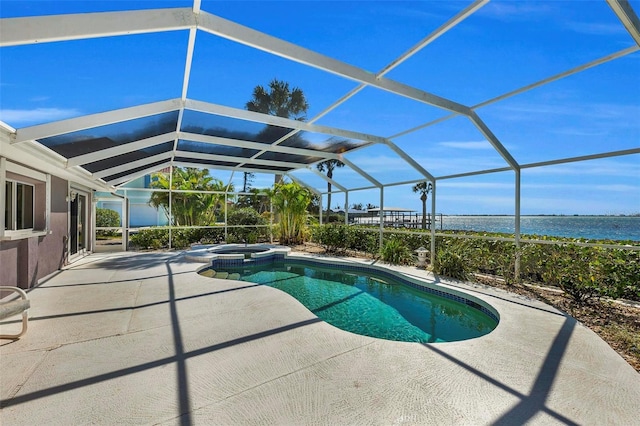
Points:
[(40, 183), (15, 217)]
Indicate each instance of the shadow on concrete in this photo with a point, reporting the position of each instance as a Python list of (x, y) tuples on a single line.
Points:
[(130, 261), (534, 402), (146, 305), (153, 364)]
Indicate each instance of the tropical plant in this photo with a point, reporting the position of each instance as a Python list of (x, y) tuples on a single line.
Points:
[(329, 166), (189, 208), (451, 261), (423, 188), (278, 99), (395, 251), (290, 201)]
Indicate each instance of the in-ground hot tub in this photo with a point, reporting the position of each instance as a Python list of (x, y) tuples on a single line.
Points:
[(207, 253)]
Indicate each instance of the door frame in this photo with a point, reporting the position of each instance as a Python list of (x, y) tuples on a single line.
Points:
[(73, 192)]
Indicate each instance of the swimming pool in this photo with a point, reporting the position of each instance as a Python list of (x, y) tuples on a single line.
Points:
[(371, 302)]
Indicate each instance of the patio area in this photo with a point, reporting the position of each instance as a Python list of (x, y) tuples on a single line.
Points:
[(141, 338)]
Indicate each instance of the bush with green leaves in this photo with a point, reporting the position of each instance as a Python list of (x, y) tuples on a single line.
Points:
[(584, 272), (395, 251), (333, 238), (158, 238), (107, 218), (451, 260), (337, 238), (250, 226)]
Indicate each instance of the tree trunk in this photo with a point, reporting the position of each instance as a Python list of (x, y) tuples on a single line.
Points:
[(330, 176), (423, 198)]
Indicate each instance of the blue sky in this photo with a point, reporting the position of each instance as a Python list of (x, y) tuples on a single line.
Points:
[(504, 46)]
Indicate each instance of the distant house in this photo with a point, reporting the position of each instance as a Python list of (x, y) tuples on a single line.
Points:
[(140, 212)]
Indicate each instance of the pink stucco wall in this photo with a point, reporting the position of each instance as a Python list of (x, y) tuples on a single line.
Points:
[(24, 262)]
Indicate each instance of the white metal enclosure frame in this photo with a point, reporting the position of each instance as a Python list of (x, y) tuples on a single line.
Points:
[(286, 151)]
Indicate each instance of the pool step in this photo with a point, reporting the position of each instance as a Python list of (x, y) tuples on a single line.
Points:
[(210, 273)]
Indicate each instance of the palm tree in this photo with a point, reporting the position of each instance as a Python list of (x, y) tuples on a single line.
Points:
[(423, 188), (188, 208), (281, 101), (329, 166), (247, 179), (291, 201)]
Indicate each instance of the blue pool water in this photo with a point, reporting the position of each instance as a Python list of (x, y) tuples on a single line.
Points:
[(371, 305)]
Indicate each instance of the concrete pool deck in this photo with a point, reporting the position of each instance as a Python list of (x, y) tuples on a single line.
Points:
[(141, 338)]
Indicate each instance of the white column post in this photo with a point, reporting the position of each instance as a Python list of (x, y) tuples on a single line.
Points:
[(433, 223), (170, 211), (3, 189), (517, 226), (226, 231), (346, 207), (381, 215)]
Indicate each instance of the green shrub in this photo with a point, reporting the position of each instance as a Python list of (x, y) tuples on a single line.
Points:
[(584, 272), (395, 251), (153, 238), (158, 238), (337, 238), (106, 218), (252, 224), (451, 261), (333, 238), (575, 272)]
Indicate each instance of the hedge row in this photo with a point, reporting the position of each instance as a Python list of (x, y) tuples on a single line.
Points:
[(582, 272), (158, 238), (250, 229)]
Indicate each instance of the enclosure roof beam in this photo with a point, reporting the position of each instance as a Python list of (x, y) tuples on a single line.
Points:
[(44, 29), (475, 173), (413, 163), (493, 140), (140, 173), (229, 158), (132, 165), (328, 179), (274, 120), (583, 158), (361, 172), (229, 168), (48, 161), (303, 183), (627, 16), (267, 43), (216, 140), (526, 88), (70, 125), (103, 154)]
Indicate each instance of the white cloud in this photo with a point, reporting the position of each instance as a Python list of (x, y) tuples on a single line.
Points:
[(35, 116), (599, 168), (593, 28), (618, 188), (476, 185), (511, 11), (467, 145)]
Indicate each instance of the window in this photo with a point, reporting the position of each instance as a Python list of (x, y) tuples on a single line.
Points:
[(19, 204), (25, 194)]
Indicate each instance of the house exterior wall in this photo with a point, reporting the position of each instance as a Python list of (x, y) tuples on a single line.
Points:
[(25, 261)]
